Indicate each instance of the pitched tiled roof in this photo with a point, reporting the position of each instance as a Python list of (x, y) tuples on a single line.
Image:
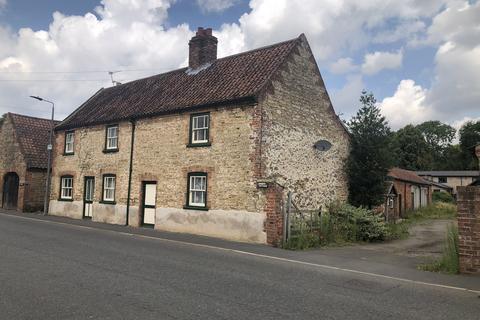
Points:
[(238, 77), (407, 175), (32, 135)]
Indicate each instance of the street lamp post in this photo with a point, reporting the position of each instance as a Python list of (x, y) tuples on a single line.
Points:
[(49, 149)]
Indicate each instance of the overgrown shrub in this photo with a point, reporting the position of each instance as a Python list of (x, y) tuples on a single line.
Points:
[(442, 197), (340, 223)]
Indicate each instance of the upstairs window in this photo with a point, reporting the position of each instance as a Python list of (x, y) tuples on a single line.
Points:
[(442, 179), (69, 142), (111, 140), (109, 181), (66, 188), (199, 129), (197, 190)]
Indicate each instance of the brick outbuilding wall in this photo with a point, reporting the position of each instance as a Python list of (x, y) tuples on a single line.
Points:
[(468, 203)]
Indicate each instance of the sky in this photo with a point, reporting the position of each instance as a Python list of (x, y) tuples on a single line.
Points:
[(420, 58)]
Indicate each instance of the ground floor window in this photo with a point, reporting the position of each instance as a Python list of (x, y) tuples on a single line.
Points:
[(66, 188), (197, 189), (109, 181)]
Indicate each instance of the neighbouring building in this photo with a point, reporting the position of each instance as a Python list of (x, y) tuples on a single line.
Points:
[(453, 179), (208, 149), (23, 161), (405, 191)]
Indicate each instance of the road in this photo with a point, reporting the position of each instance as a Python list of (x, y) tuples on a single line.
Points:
[(50, 270)]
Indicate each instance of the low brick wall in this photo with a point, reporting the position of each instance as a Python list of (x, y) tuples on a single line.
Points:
[(468, 203)]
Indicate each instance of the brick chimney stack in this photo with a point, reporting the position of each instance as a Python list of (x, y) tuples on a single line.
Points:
[(203, 48)]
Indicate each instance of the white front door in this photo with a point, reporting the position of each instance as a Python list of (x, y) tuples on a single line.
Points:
[(88, 197), (149, 200)]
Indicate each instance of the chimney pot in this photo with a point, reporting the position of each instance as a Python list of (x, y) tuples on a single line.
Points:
[(202, 48)]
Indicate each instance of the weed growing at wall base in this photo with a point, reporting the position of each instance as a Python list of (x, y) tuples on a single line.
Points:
[(449, 262)]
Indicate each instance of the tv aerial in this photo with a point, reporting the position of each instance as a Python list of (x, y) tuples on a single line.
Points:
[(111, 73)]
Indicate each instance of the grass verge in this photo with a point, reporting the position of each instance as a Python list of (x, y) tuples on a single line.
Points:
[(449, 261)]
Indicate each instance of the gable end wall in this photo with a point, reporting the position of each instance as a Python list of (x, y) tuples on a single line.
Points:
[(298, 113)]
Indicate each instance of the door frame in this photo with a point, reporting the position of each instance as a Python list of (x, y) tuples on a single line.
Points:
[(143, 206), (85, 193), (4, 194)]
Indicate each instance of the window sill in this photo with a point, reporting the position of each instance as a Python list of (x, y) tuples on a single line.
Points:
[(110, 150), (68, 153), (195, 208), (63, 199), (108, 202), (199, 145)]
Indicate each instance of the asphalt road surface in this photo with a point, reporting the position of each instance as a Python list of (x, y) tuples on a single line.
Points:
[(57, 271)]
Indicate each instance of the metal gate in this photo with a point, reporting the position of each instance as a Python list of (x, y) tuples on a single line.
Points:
[(297, 221)]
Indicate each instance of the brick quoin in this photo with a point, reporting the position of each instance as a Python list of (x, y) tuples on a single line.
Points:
[(468, 205), (274, 212)]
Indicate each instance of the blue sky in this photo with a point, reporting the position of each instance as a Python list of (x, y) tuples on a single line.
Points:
[(407, 53)]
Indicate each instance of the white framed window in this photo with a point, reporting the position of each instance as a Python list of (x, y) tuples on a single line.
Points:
[(390, 203), (66, 188), (109, 188), (197, 189), (69, 142), (200, 125), (111, 142)]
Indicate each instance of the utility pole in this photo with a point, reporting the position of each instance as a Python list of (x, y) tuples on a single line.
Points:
[(49, 158)]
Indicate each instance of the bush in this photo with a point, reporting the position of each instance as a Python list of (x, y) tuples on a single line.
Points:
[(438, 210), (449, 262), (341, 223), (442, 197)]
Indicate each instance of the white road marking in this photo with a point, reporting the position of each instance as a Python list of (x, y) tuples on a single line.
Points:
[(311, 264)]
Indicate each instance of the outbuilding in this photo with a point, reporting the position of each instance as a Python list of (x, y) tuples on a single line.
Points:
[(23, 161)]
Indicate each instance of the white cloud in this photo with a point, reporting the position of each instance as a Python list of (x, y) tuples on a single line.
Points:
[(342, 66), (346, 100), (455, 91), (3, 3), (134, 34), (407, 105), (216, 5), (378, 61), (116, 39)]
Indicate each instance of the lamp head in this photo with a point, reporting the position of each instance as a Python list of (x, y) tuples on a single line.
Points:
[(35, 97)]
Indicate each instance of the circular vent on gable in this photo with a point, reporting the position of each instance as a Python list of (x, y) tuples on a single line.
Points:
[(322, 145)]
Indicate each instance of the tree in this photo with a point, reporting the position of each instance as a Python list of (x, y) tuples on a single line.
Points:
[(453, 159), (469, 138), (370, 157), (411, 149), (438, 137)]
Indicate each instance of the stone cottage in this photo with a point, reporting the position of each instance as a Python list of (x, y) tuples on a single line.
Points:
[(23, 161), (207, 149)]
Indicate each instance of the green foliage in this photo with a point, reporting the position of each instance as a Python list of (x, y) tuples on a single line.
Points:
[(449, 262), (396, 231), (411, 149), (370, 155), (442, 197), (438, 210), (469, 138), (437, 135), (452, 159), (342, 223)]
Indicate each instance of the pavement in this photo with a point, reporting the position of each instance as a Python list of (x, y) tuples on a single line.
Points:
[(57, 268)]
